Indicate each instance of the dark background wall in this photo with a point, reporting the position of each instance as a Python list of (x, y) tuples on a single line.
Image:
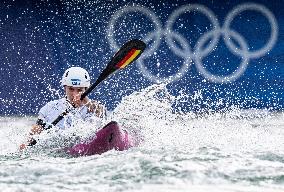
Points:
[(40, 39)]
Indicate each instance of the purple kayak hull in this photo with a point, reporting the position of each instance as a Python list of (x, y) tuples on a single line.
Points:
[(111, 136)]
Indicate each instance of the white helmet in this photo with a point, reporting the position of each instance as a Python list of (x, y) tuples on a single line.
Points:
[(76, 77)]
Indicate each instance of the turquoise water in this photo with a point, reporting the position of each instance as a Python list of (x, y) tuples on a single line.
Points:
[(237, 150)]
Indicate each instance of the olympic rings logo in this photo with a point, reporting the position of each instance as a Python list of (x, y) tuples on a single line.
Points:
[(197, 53)]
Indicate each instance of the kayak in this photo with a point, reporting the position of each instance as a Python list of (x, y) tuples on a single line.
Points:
[(111, 136)]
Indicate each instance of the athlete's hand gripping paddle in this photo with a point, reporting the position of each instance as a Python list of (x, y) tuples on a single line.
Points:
[(127, 54)]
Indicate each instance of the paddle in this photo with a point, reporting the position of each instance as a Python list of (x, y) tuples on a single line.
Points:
[(127, 54)]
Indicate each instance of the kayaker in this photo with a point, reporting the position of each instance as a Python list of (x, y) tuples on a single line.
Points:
[(75, 81)]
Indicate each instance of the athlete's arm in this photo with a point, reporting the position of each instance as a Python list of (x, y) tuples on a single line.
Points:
[(35, 130)]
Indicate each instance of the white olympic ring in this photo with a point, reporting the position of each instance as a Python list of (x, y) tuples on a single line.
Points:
[(222, 79), (178, 75), (271, 20), (146, 12), (197, 53), (187, 8)]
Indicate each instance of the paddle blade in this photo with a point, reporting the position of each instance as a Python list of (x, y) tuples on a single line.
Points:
[(127, 54)]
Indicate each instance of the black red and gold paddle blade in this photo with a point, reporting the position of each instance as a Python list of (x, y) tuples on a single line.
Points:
[(127, 54)]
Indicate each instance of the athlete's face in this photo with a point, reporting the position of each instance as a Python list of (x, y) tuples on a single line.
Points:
[(74, 93)]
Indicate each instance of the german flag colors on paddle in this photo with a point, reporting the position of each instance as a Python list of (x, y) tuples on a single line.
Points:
[(128, 58), (127, 54)]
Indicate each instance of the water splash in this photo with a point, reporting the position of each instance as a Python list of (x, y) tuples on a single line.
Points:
[(152, 112), (151, 115)]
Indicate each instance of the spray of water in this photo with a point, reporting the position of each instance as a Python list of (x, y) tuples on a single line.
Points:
[(151, 115), (152, 112)]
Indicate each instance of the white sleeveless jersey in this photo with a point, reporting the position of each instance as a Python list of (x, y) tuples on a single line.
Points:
[(53, 109)]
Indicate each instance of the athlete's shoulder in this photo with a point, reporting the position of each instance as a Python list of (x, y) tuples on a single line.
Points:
[(54, 104), (57, 101), (51, 109)]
